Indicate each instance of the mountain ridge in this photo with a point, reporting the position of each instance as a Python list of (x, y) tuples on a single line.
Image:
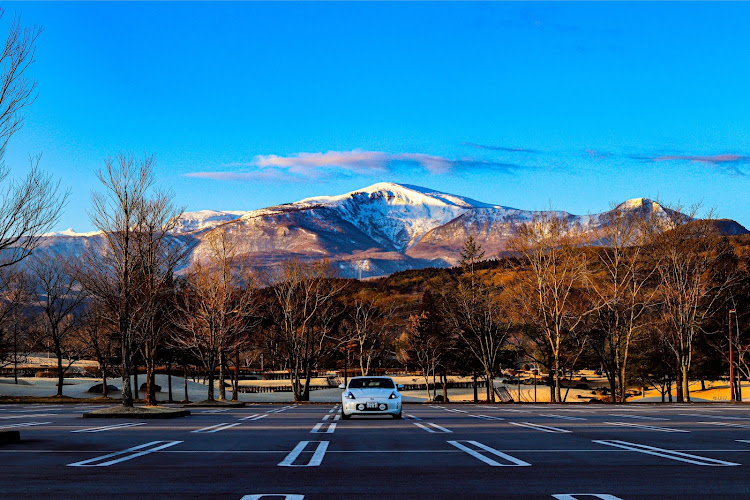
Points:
[(373, 231)]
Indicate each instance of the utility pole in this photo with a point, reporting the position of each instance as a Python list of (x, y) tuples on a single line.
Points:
[(733, 394)]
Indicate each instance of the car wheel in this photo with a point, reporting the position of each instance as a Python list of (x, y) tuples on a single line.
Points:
[(397, 416), (345, 416)]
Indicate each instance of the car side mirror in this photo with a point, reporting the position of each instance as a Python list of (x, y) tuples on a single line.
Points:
[(400, 387), (342, 386)]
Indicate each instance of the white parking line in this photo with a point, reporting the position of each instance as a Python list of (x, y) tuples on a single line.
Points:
[(435, 426), (727, 424), (216, 410), (326, 417), (279, 410), (672, 455), (285, 496), (216, 428), (113, 427), (565, 417), (30, 416), (129, 454), (255, 417), (24, 424), (487, 417), (514, 462), (639, 417), (543, 428), (646, 427), (319, 429), (412, 417), (337, 417), (513, 410), (316, 459), (574, 496), (720, 417)]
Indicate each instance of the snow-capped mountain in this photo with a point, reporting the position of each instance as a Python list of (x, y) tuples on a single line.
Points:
[(377, 230)]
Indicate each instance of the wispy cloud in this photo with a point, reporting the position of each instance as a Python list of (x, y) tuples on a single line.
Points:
[(500, 148), (597, 154), (302, 166), (728, 163)]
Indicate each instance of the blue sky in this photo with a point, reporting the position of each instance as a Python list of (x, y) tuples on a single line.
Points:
[(246, 105)]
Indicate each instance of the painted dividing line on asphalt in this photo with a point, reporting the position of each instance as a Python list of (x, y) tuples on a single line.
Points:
[(670, 454), (255, 417), (315, 461), (486, 417), (727, 424), (514, 462), (326, 417), (112, 427), (743, 440), (638, 417), (412, 417), (574, 496), (537, 427), (24, 424), (319, 429), (337, 417), (216, 428), (285, 496), (30, 416), (432, 427), (216, 410), (720, 417), (279, 410), (124, 455), (564, 417), (646, 427), (507, 409)]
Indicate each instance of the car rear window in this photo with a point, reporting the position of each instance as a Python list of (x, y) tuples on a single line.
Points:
[(371, 383)]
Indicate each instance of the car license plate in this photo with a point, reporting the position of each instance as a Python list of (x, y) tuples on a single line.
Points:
[(372, 404)]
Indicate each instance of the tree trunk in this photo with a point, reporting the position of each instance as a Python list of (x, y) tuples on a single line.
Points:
[(685, 382), (151, 382), (222, 377), (444, 379), (105, 391), (135, 381), (185, 379), (211, 383), (60, 373), (490, 385), (169, 381), (474, 384), (613, 387), (236, 385)]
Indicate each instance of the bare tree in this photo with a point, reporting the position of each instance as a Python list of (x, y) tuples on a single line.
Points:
[(305, 316), (56, 291), (110, 271), (15, 297), (551, 269), (476, 312), (696, 270), (623, 291), (30, 206), (96, 335), (212, 313), (371, 325), (157, 256)]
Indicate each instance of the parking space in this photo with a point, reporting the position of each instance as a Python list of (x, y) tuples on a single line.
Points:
[(534, 451)]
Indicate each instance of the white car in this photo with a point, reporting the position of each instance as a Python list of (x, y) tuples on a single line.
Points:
[(371, 396)]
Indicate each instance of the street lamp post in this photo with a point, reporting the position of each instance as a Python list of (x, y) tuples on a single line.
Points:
[(732, 397)]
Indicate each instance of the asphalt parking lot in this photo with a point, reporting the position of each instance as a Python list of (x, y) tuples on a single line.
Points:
[(530, 451)]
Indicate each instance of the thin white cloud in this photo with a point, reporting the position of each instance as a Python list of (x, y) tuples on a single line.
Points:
[(301, 166)]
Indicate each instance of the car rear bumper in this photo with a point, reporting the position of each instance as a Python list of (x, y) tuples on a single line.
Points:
[(355, 407)]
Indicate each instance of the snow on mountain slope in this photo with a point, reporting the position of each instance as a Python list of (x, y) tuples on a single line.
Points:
[(191, 222), (396, 215)]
